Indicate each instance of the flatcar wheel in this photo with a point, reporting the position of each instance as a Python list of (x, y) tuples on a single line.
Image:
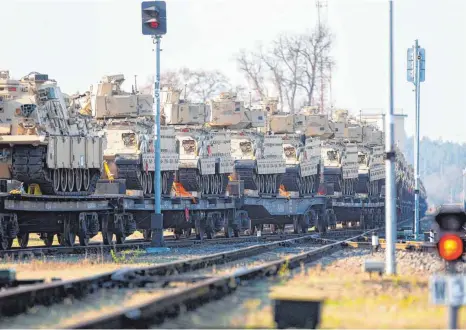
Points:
[(187, 232), (178, 233), (70, 178), (70, 239), (48, 239), (78, 176), (6, 243), (150, 183), (56, 179), (107, 237), (23, 240), (120, 238), (83, 239), (60, 239), (86, 179), (147, 234)]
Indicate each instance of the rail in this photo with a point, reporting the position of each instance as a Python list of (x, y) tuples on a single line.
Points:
[(169, 305)]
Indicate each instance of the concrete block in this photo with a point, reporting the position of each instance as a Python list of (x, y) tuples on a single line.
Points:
[(105, 187)]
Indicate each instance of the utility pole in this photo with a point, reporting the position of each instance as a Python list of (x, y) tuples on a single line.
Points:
[(416, 75), (390, 189)]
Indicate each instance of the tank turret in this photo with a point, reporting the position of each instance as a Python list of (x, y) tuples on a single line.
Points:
[(340, 162), (259, 160), (225, 111), (301, 153), (128, 120), (205, 159), (45, 142), (203, 145)]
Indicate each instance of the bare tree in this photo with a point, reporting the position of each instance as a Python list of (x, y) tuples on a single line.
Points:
[(291, 64), (199, 85), (206, 84), (287, 49), (315, 52), (252, 67)]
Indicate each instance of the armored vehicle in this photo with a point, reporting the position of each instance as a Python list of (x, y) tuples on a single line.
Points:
[(370, 143), (302, 155), (205, 160), (45, 143), (340, 162), (128, 120), (258, 157)]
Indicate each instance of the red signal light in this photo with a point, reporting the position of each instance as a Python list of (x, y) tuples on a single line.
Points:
[(450, 247), (154, 25)]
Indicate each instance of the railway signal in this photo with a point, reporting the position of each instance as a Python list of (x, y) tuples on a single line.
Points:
[(154, 18), (450, 220), (450, 290), (154, 23)]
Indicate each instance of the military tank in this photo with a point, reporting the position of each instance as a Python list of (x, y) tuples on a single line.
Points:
[(128, 120), (339, 156), (43, 141), (205, 161), (371, 172), (258, 156), (302, 154)]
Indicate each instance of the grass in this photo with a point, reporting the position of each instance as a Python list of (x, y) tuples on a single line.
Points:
[(353, 300)]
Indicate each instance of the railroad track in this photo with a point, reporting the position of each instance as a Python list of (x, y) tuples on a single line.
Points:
[(98, 247), (199, 283)]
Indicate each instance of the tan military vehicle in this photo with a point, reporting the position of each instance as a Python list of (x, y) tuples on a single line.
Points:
[(302, 155), (43, 141), (205, 160), (371, 158), (128, 120), (258, 157), (339, 155)]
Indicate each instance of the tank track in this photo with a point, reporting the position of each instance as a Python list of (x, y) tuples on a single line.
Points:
[(292, 181), (192, 181), (333, 176), (246, 170), (129, 171), (29, 166), (362, 186)]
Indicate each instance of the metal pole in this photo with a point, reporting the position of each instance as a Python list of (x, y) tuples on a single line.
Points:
[(452, 310), (417, 85), (157, 218), (390, 192)]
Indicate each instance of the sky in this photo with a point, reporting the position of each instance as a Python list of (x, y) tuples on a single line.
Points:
[(77, 42)]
